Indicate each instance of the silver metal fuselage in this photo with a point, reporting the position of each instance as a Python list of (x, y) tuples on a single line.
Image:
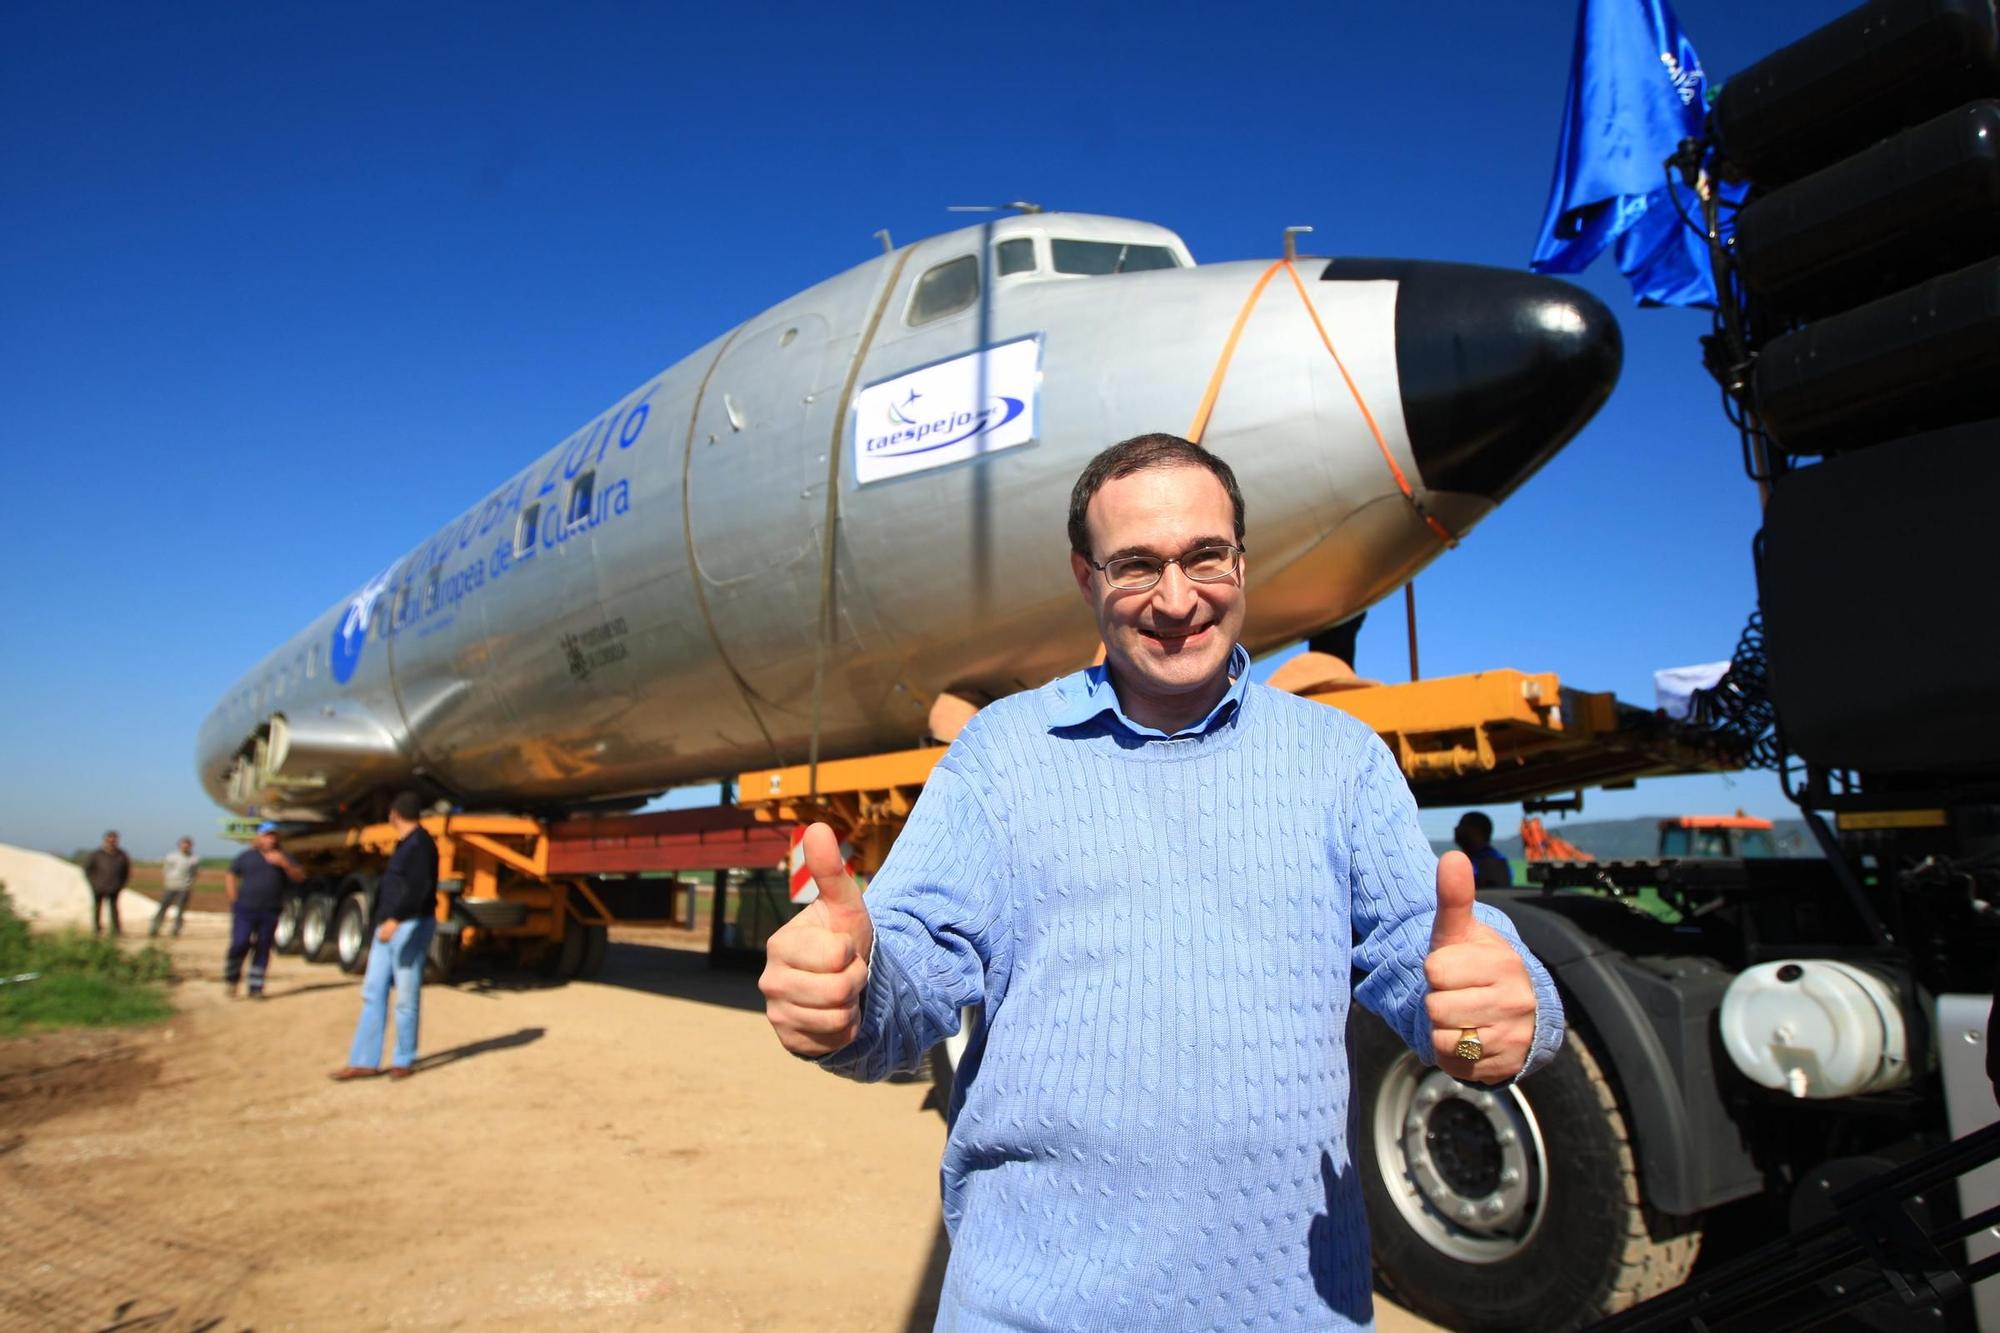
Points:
[(652, 620)]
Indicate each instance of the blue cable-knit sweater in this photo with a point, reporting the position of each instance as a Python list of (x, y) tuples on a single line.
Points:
[(1150, 1128)]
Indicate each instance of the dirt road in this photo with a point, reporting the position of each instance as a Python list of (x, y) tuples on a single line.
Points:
[(632, 1153)]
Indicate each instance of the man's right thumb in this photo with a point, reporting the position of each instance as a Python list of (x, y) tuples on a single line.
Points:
[(824, 863)]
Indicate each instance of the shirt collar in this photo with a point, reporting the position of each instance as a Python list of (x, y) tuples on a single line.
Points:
[(1088, 694)]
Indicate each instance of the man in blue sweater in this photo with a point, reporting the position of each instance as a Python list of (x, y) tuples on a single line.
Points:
[(1156, 882)]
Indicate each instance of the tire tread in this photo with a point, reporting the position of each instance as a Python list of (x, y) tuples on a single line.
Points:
[(1647, 1266)]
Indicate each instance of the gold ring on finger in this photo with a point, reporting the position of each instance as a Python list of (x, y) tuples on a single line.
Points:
[(1470, 1049)]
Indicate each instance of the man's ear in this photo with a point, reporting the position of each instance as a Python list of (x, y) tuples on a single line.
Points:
[(1081, 568)]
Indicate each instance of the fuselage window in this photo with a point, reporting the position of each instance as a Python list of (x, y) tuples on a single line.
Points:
[(580, 492), (947, 289), (524, 529), (1017, 256), (1102, 257)]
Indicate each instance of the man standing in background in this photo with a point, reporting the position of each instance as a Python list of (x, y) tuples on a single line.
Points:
[(177, 872), (1474, 836), (107, 869), (405, 920), (256, 885)]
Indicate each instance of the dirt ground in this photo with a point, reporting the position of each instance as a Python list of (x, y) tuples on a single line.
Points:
[(636, 1152)]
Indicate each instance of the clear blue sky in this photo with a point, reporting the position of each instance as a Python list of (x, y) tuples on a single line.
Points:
[(283, 288)]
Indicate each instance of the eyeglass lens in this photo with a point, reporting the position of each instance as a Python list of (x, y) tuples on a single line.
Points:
[(1205, 565)]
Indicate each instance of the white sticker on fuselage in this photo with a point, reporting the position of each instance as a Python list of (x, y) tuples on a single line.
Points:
[(963, 408)]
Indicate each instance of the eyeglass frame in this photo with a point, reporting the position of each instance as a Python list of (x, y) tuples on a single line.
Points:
[(1237, 552)]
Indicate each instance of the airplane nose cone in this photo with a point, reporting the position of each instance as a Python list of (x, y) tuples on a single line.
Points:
[(1498, 369)]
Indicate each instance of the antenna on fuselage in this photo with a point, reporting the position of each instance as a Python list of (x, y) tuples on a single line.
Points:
[(1292, 235), (1019, 206), (888, 246)]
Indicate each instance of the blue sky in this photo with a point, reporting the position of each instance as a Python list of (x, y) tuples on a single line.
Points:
[(283, 288)]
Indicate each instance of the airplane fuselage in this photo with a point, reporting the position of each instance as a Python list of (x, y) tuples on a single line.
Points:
[(640, 606)]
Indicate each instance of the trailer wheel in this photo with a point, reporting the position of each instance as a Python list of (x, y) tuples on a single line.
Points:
[(316, 927), (565, 957), (285, 939), (351, 935), (442, 958), (596, 943), (1506, 1208), (945, 1056)]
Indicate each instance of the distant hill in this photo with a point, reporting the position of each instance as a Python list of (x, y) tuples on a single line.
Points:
[(1637, 839)]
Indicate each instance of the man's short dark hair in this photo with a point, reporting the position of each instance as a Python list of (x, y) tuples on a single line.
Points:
[(1478, 822), (407, 805), (1139, 454)]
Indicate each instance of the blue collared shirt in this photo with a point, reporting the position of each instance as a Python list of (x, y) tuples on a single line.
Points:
[(1088, 694)]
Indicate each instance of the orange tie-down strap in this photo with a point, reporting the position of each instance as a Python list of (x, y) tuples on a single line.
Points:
[(1208, 397)]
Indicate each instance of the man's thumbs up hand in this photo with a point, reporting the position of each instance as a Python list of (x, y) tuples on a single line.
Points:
[(1477, 981), (816, 964), (1455, 922)]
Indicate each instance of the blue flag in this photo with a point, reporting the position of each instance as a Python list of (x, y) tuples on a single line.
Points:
[(1636, 89)]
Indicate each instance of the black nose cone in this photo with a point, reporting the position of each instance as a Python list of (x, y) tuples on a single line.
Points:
[(1498, 369)]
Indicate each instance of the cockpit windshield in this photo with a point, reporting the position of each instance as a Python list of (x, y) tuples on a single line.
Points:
[(1100, 257)]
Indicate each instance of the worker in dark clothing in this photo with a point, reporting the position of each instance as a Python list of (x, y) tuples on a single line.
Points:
[(1474, 836), (255, 882), (107, 869), (405, 920)]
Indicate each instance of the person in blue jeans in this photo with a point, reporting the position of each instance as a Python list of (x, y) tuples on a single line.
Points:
[(405, 920)]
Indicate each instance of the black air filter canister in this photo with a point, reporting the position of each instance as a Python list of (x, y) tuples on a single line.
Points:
[(1919, 360), (1923, 203), (1882, 608), (1831, 93)]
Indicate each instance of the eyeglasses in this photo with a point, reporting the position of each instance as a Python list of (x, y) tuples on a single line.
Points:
[(1136, 573)]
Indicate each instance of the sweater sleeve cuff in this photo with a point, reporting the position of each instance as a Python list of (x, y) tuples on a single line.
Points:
[(860, 1058), (1549, 1023)]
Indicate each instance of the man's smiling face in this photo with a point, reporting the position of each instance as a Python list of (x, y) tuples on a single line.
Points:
[(1168, 646)]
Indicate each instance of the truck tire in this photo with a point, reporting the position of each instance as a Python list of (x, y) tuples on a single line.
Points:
[(596, 943), (1505, 1208), (565, 957), (442, 959), (285, 938), (944, 1057), (316, 927), (351, 935)]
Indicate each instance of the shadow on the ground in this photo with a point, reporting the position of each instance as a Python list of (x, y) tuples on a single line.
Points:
[(681, 974), (134, 1315), (439, 1059), (924, 1301), (345, 983)]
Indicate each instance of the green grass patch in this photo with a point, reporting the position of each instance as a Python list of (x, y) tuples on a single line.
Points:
[(84, 981)]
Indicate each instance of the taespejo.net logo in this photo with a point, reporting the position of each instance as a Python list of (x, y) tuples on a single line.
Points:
[(962, 408), (913, 434)]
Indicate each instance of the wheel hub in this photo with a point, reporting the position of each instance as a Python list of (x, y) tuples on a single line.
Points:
[(1464, 1164)]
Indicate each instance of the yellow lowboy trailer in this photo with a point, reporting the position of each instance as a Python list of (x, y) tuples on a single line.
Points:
[(544, 893), (1491, 736)]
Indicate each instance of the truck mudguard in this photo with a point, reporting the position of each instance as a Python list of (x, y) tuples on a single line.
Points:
[(1655, 1018)]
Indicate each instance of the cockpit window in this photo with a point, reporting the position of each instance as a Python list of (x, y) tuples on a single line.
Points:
[(1016, 256), (945, 290), (1099, 257)]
